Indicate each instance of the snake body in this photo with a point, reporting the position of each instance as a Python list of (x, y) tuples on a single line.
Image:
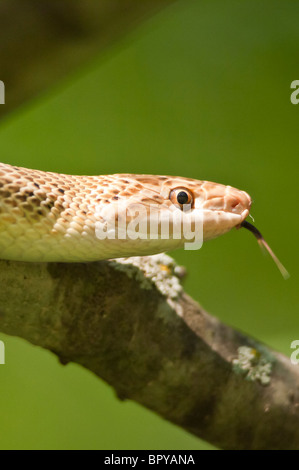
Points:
[(53, 217)]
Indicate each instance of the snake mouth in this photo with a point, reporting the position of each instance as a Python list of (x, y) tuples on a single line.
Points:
[(244, 215), (262, 242), (225, 199)]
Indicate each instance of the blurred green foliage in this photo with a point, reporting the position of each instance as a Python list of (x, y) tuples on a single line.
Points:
[(201, 90)]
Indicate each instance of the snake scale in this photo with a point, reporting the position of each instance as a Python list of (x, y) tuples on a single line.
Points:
[(48, 216)]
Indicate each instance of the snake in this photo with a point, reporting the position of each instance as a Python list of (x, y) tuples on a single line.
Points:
[(53, 217)]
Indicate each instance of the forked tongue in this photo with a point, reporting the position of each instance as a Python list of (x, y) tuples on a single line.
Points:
[(262, 242)]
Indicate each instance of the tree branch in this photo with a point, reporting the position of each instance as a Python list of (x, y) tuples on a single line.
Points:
[(130, 323), (43, 41)]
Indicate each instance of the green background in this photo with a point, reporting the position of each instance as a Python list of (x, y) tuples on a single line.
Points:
[(200, 90)]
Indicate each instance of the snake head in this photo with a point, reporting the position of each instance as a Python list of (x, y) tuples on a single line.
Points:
[(220, 207), (179, 211)]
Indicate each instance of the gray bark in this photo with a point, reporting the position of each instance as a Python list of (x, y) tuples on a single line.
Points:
[(135, 328)]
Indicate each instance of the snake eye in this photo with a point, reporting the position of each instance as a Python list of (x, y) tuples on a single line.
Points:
[(181, 197)]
